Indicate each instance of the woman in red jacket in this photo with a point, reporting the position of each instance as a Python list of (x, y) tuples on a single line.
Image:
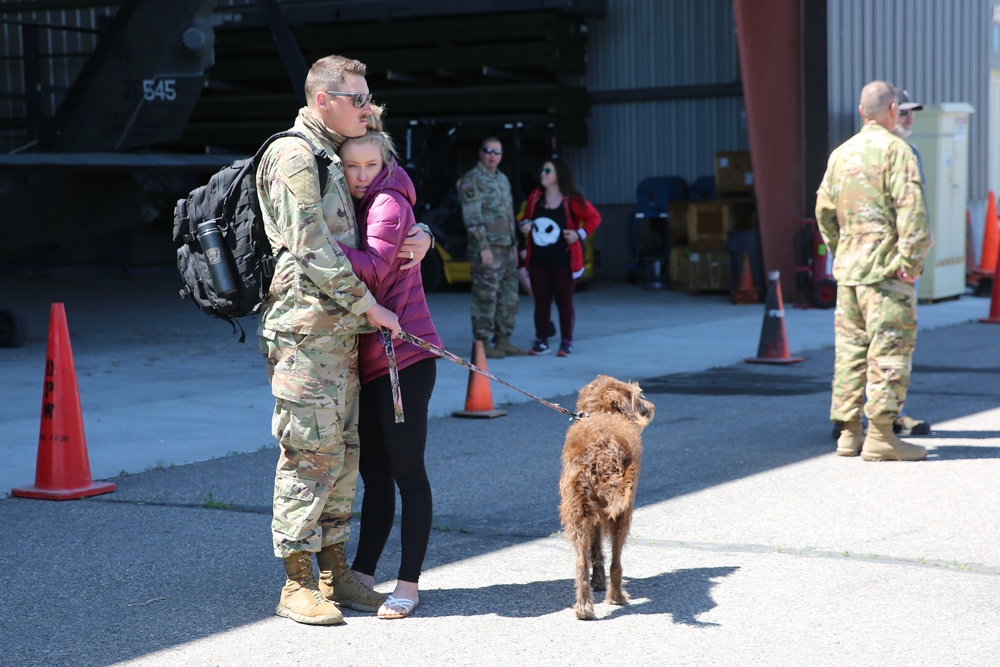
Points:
[(391, 454), (557, 219)]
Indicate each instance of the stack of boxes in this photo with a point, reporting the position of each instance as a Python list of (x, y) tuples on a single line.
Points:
[(699, 261)]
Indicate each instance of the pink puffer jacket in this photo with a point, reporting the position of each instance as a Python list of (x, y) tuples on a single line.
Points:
[(385, 215)]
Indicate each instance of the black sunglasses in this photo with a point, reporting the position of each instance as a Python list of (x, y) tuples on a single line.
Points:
[(360, 99), (493, 151)]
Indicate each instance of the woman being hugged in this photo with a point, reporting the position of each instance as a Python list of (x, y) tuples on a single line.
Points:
[(557, 218), (391, 454)]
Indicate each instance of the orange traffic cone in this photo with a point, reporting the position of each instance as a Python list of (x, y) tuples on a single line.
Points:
[(747, 292), (994, 317), (479, 397), (970, 253), (773, 348), (991, 238), (62, 471)]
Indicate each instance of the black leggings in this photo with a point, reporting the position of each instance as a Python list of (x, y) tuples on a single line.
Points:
[(393, 455)]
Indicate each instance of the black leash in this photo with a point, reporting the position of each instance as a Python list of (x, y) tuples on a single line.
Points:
[(386, 341)]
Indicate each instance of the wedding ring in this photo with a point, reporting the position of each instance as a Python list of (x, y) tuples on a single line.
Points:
[(411, 254)]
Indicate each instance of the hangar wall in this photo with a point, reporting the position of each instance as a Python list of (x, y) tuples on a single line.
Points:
[(664, 82), (939, 50)]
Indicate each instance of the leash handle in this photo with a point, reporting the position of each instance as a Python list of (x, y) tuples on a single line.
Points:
[(385, 337)]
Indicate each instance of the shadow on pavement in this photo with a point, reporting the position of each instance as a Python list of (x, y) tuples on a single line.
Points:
[(683, 594)]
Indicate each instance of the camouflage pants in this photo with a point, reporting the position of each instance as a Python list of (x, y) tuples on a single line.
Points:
[(495, 296), (875, 331), (314, 379)]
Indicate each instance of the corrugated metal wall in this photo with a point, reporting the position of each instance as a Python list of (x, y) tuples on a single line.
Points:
[(939, 50), (652, 44)]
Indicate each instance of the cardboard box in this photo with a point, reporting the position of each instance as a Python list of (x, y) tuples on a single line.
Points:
[(710, 271), (709, 222), (733, 172), (680, 268), (699, 270), (677, 219)]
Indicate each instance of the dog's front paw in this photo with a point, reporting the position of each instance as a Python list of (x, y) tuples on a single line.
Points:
[(584, 611), (599, 581), (617, 597)]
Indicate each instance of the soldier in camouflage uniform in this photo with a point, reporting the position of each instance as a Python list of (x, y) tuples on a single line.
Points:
[(488, 213), (870, 210), (308, 332)]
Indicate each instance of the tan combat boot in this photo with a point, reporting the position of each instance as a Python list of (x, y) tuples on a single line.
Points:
[(337, 582), (504, 345), (881, 444), (300, 597), (492, 352), (851, 437)]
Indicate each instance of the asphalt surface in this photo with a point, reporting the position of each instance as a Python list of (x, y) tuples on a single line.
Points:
[(752, 543)]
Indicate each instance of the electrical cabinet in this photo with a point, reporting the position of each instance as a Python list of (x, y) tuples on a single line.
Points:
[(941, 135)]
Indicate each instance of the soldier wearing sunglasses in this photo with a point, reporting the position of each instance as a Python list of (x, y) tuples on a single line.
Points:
[(308, 333), (904, 424), (488, 213)]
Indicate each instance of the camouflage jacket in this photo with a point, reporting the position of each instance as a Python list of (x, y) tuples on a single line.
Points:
[(870, 208), (314, 289), (487, 208)]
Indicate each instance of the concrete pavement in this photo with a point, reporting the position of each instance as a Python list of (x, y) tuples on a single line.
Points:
[(751, 544)]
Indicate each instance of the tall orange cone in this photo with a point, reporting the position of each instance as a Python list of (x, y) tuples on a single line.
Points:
[(746, 292), (991, 238), (773, 348), (62, 471), (479, 397), (994, 317), (970, 253)]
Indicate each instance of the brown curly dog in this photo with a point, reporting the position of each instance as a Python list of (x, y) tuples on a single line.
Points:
[(600, 469)]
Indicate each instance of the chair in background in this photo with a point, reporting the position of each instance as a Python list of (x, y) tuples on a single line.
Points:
[(649, 235)]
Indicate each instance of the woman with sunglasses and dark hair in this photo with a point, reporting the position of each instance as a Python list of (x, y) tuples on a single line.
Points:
[(557, 219)]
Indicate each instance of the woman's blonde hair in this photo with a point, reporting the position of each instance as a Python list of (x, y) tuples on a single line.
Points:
[(377, 136)]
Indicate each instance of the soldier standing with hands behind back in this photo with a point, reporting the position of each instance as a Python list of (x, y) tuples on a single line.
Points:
[(488, 213), (870, 209)]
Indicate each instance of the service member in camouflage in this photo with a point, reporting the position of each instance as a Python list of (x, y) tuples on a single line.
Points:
[(904, 424), (488, 213), (309, 333), (870, 209)]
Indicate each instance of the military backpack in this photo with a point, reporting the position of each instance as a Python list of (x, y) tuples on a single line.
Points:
[(223, 255)]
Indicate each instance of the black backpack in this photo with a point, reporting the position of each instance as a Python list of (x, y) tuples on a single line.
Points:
[(223, 254)]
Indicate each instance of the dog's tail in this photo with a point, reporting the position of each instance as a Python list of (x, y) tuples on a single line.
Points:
[(622, 494), (614, 474)]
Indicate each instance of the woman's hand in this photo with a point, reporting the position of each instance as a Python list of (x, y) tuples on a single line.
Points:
[(571, 236), (381, 317)]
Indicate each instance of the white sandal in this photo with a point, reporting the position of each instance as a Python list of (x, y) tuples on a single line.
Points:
[(406, 604)]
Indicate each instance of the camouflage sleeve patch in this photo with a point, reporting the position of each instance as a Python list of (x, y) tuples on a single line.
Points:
[(294, 165), (301, 177)]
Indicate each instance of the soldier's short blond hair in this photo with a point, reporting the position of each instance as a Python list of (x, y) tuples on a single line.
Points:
[(328, 72), (876, 98)]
